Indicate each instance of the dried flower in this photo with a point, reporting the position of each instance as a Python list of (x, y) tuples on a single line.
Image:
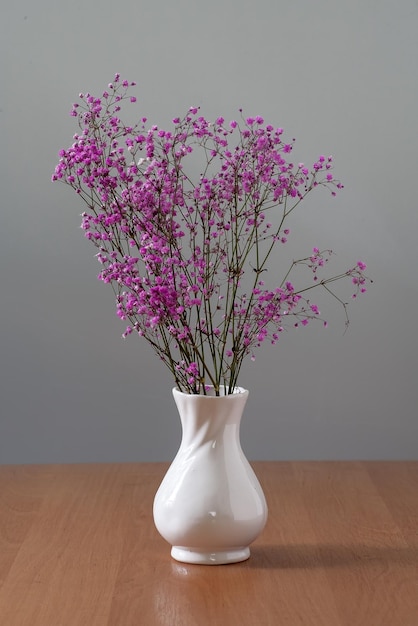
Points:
[(187, 257)]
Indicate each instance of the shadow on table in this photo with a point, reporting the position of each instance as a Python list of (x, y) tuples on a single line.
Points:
[(329, 555)]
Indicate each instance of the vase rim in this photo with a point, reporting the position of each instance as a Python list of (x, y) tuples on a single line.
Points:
[(238, 391)]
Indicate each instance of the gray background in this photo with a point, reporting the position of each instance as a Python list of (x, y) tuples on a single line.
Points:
[(341, 77)]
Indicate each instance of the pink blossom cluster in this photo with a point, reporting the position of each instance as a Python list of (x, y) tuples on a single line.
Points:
[(185, 221)]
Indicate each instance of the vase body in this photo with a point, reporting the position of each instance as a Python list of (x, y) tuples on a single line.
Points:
[(210, 506)]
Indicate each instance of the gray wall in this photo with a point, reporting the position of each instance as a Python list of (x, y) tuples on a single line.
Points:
[(340, 76)]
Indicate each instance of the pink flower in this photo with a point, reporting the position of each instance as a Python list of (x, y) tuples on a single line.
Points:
[(188, 255)]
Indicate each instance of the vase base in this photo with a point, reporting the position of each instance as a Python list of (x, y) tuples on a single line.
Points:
[(222, 557)]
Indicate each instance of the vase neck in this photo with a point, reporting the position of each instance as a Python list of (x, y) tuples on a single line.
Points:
[(210, 419)]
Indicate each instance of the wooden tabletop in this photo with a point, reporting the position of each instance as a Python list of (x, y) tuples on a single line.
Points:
[(78, 548)]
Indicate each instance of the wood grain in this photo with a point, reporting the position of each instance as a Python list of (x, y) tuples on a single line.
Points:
[(78, 548)]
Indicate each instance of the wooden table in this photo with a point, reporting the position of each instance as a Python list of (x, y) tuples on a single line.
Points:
[(78, 548)]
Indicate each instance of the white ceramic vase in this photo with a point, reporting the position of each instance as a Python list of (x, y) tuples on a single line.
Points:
[(210, 506)]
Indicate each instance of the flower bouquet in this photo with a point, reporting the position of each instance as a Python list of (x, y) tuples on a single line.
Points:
[(185, 221)]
